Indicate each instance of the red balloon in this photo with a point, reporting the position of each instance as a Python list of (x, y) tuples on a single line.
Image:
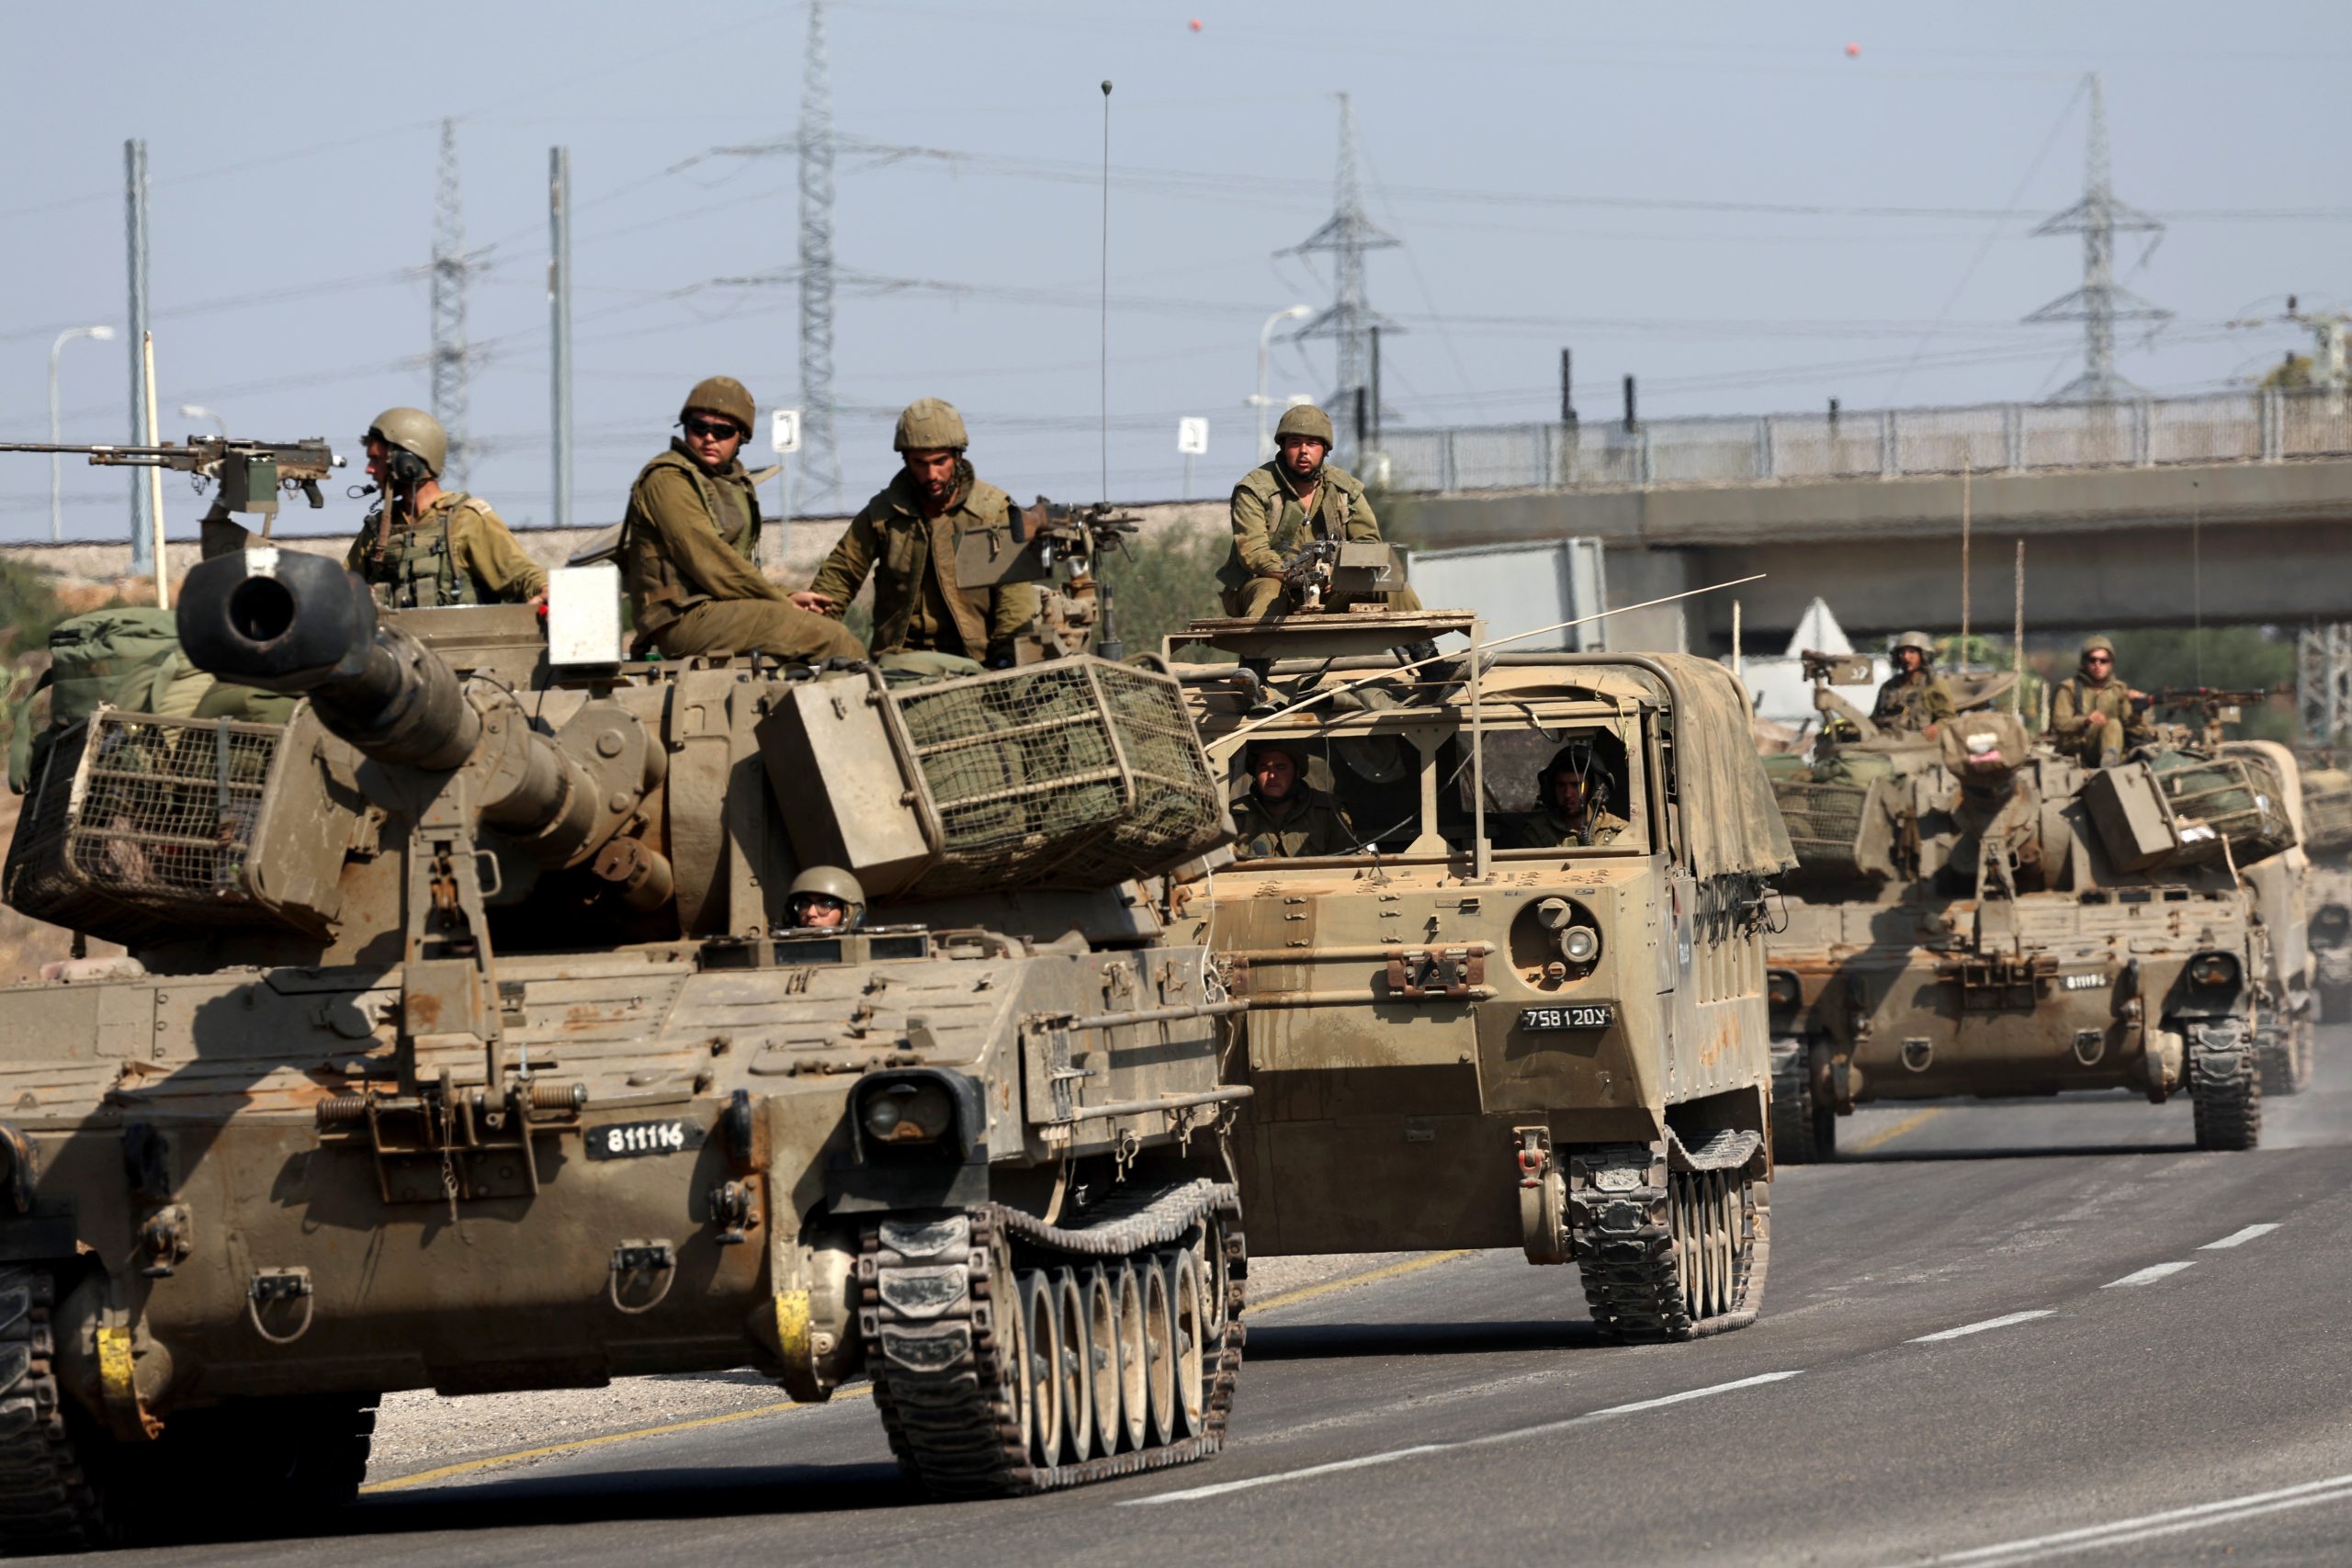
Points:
[(1196, 24), (1852, 50)]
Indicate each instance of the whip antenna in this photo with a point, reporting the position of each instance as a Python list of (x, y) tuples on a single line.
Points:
[(1103, 333)]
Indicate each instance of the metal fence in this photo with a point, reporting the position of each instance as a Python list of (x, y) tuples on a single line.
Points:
[(2239, 427)]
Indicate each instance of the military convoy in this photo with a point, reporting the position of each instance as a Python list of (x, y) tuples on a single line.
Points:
[(463, 1044), (1463, 1032), (1976, 916)]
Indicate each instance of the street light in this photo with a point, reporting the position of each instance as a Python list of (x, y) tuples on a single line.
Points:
[(1260, 401), (197, 411), (56, 462)]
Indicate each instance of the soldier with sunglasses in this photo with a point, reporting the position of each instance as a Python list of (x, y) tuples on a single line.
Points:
[(690, 547), (2094, 717)]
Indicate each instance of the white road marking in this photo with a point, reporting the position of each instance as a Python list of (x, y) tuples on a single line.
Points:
[(1965, 1329), (2147, 1526), (2237, 1238), (2148, 1276), (1193, 1493)]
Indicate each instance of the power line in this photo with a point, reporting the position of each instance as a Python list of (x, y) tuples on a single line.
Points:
[(450, 265), (820, 466), (2099, 304)]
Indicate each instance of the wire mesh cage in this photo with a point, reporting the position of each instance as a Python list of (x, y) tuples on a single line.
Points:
[(1072, 773), (138, 827), (2240, 797), (1823, 821), (2327, 812)]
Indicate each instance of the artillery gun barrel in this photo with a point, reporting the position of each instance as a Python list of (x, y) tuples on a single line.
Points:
[(302, 626)]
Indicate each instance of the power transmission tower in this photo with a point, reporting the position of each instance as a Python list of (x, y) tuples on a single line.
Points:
[(450, 265), (2324, 684), (2099, 304), (1346, 235), (820, 466)]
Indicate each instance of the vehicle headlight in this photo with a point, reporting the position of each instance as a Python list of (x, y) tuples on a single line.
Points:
[(2213, 969), (1580, 945), (1781, 990), (909, 1112)]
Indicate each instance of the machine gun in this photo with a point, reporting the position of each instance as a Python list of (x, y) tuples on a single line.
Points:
[(2215, 705), (1061, 548), (250, 473), (1827, 669)]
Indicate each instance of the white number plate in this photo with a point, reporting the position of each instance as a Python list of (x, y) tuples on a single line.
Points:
[(1593, 1015), (634, 1140), (2083, 982)]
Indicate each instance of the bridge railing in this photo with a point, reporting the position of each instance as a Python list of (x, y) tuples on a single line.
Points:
[(1990, 438)]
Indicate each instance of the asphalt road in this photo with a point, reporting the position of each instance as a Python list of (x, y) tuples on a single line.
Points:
[(2003, 1334)]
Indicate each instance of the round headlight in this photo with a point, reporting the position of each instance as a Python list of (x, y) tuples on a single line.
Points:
[(909, 1112), (1580, 945), (1781, 990), (882, 1116), (2212, 969)]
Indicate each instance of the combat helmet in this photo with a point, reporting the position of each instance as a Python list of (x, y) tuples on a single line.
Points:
[(414, 431), (721, 395), (827, 881), (930, 425), (1921, 641), (2096, 643), (1581, 757), (1306, 419)]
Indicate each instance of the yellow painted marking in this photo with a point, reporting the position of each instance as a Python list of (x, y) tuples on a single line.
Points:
[(1888, 1135), (492, 1461), (1346, 1282)]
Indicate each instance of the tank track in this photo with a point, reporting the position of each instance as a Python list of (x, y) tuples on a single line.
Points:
[(2287, 1054), (48, 1502), (1665, 1254), (1803, 1131), (944, 1329), (2225, 1087)]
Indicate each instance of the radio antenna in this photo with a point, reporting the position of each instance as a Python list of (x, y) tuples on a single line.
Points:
[(1103, 333)]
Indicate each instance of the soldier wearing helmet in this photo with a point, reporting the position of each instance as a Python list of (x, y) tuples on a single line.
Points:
[(1574, 790), (1291, 499), (2094, 717), (1280, 817), (690, 546), (905, 537), (1914, 698), (424, 547), (825, 897)]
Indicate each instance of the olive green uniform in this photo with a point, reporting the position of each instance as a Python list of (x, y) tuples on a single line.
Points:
[(456, 551), (2070, 706), (1550, 830), (1268, 524), (689, 547), (1913, 701), (1309, 823), (916, 605)]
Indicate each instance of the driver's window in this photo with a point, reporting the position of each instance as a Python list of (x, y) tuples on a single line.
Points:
[(1564, 788)]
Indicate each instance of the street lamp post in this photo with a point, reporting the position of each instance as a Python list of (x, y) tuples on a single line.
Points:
[(1260, 401), (56, 417), (197, 411)]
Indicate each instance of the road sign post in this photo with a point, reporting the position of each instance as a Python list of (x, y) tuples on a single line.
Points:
[(1192, 440), (783, 439)]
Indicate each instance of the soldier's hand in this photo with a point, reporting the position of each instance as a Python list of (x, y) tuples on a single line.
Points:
[(2096, 720), (814, 602)]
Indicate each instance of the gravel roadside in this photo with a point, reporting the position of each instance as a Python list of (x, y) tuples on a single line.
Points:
[(420, 1431)]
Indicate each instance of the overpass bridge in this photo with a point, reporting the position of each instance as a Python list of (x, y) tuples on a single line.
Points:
[(2135, 514)]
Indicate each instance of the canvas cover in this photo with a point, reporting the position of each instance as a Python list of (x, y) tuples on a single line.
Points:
[(1734, 825)]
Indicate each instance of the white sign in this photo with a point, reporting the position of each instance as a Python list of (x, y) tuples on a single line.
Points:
[(1193, 437), (784, 430)]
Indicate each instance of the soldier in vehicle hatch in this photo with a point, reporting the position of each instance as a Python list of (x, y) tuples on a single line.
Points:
[(424, 547), (1281, 816), (1288, 500), (1573, 787), (906, 538), (1914, 698), (690, 547), (825, 897), (2094, 717)]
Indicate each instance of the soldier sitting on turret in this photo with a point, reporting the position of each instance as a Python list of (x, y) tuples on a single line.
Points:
[(1574, 789), (2094, 717), (1289, 501), (1281, 816), (1914, 698), (825, 897)]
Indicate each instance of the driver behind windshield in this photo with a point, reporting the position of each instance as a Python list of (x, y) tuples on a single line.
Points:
[(1574, 790), (1280, 817)]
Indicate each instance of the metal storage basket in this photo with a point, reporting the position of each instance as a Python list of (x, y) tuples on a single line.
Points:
[(137, 828), (1823, 821), (1071, 774), (2240, 797)]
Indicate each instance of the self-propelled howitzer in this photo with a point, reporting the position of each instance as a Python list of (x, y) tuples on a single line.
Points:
[(466, 1043)]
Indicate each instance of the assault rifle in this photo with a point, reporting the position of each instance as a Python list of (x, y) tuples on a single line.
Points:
[(250, 473), (1307, 573)]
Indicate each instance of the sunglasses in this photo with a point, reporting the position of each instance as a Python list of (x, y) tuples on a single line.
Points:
[(713, 429), (2097, 658)]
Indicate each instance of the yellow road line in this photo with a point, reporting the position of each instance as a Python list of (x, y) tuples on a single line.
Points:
[(1888, 1135), (1347, 1282), (493, 1461)]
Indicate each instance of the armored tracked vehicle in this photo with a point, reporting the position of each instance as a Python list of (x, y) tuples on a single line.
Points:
[(1974, 916), (465, 1043), (1466, 1025), (2327, 820)]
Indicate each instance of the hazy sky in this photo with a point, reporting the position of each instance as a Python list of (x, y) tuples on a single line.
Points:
[(1716, 198)]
